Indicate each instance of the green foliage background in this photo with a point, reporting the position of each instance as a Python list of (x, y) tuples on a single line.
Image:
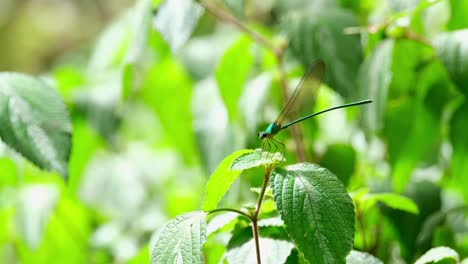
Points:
[(166, 92)]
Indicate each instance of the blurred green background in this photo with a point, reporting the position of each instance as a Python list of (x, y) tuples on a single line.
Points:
[(159, 92)]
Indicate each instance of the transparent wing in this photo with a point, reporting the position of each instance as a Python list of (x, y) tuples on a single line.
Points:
[(311, 82)]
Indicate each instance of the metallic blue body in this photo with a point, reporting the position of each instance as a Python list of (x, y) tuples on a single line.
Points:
[(273, 129)]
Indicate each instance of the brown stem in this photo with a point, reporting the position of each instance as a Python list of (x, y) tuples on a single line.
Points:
[(250, 217), (227, 17), (363, 232), (266, 180)]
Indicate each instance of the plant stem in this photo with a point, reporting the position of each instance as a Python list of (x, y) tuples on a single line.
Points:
[(361, 227), (227, 17), (266, 180), (250, 217)]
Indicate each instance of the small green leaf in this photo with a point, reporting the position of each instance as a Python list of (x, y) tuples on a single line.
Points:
[(221, 180), (181, 240), (176, 20), (439, 255), (232, 72), (255, 159), (358, 257), (34, 121), (317, 211), (392, 200), (452, 49), (272, 251)]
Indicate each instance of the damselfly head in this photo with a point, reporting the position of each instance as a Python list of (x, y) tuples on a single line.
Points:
[(262, 134)]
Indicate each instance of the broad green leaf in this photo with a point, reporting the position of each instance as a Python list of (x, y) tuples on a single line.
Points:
[(374, 82), (34, 121), (232, 72), (319, 34), (317, 211), (452, 49), (439, 255), (358, 257), (221, 180), (271, 252), (176, 20), (341, 160), (458, 11), (255, 159), (181, 240), (459, 142), (392, 200)]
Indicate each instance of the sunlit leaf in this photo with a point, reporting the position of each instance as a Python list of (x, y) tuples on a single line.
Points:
[(439, 255), (176, 20), (232, 73), (181, 240), (36, 204), (255, 159), (34, 121), (317, 212), (271, 251), (358, 257), (167, 89), (221, 180), (392, 200)]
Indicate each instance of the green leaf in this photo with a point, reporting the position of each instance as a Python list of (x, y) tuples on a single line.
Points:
[(34, 121), (167, 89), (441, 255), (308, 31), (255, 159), (341, 160), (358, 257), (427, 196), (272, 251), (36, 204), (176, 20), (136, 52), (392, 200), (452, 49), (221, 180), (232, 72), (374, 82), (181, 240), (459, 142), (458, 11), (317, 211)]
